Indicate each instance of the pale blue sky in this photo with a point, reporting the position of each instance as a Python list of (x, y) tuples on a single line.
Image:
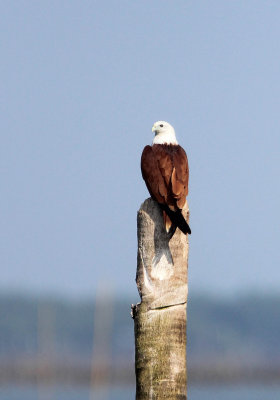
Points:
[(82, 83)]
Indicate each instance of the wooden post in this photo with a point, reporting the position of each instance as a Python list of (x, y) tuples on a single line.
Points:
[(160, 318)]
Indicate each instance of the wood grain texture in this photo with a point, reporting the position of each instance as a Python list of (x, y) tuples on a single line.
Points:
[(160, 318)]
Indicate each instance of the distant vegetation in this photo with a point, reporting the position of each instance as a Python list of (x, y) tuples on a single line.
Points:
[(241, 332), (246, 329)]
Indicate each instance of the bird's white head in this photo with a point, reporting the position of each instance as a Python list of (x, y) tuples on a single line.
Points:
[(164, 133)]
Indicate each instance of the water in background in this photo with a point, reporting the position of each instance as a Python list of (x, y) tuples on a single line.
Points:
[(92, 345), (231, 392)]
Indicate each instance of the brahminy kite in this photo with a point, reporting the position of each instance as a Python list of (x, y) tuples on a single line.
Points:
[(165, 170)]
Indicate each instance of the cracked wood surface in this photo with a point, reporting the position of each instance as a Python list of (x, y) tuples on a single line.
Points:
[(160, 318)]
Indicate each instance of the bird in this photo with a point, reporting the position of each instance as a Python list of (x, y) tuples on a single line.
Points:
[(165, 170)]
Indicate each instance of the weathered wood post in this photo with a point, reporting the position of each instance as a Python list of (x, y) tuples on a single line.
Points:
[(160, 318)]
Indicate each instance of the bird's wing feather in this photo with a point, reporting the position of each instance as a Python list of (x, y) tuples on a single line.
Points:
[(180, 177), (152, 175), (166, 175)]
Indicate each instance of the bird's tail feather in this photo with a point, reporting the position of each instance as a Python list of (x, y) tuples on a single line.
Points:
[(167, 221), (176, 219)]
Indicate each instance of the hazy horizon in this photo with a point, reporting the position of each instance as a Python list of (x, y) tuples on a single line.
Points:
[(82, 84)]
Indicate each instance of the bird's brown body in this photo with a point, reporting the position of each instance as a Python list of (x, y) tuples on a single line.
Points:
[(166, 173)]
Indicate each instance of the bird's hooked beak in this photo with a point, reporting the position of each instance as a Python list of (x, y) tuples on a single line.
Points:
[(154, 129)]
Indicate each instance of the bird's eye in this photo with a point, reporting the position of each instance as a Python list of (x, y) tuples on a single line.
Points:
[(161, 125)]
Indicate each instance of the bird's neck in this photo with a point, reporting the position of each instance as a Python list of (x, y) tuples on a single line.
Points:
[(165, 138)]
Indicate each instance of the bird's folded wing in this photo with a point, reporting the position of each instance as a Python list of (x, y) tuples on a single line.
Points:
[(180, 177), (152, 175), (166, 175)]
